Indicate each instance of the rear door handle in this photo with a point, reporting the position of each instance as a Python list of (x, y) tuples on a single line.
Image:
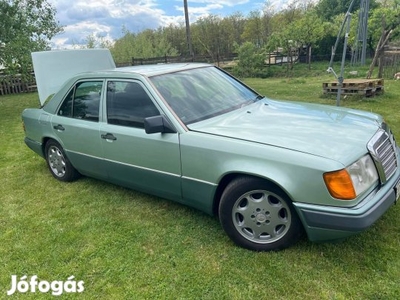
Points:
[(108, 136), (59, 127)]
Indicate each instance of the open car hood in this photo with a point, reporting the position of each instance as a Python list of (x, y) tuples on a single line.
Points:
[(53, 68)]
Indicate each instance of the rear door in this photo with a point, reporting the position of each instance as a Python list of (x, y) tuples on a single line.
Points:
[(76, 126)]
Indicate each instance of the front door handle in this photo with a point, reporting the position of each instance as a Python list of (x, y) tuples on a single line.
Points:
[(108, 136), (59, 127)]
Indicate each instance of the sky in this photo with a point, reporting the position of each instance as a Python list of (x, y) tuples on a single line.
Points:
[(108, 18)]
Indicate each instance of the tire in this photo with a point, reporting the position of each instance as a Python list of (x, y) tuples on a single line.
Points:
[(58, 163), (258, 216)]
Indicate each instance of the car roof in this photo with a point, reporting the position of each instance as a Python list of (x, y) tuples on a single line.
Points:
[(159, 69)]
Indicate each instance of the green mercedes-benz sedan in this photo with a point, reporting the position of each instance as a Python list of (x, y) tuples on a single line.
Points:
[(194, 134)]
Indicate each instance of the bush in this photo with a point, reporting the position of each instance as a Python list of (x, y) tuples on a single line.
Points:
[(251, 62)]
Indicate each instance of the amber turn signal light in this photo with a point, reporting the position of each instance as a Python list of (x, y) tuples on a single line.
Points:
[(340, 185)]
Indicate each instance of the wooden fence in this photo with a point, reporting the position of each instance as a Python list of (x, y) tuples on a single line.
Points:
[(16, 84)]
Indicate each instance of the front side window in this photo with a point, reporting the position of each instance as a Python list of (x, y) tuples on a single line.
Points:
[(83, 101), (128, 104)]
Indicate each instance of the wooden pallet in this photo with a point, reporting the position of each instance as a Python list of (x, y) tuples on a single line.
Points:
[(363, 87)]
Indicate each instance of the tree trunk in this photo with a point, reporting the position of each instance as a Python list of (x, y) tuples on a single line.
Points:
[(378, 57), (379, 51), (381, 63)]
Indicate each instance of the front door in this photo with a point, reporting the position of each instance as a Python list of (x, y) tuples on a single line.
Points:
[(146, 162)]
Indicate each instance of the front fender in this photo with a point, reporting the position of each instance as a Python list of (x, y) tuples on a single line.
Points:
[(208, 159)]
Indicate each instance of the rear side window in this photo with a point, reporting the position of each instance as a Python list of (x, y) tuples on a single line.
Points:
[(83, 101)]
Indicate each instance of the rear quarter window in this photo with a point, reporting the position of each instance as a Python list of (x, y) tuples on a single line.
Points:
[(83, 101)]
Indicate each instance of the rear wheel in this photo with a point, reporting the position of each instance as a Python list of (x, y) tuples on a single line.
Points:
[(258, 216), (58, 163)]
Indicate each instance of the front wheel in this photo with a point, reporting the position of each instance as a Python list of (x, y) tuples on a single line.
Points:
[(258, 216), (58, 163)]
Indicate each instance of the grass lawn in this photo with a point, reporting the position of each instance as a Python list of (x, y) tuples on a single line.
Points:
[(128, 245)]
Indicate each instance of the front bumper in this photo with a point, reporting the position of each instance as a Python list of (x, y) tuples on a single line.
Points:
[(324, 223)]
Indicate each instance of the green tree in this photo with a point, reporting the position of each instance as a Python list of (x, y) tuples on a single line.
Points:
[(384, 18), (25, 26), (97, 41), (293, 28), (234, 27), (251, 61), (123, 49), (328, 9), (308, 30), (268, 14), (146, 44), (231, 29), (384, 25), (208, 38), (286, 41), (175, 36), (253, 29)]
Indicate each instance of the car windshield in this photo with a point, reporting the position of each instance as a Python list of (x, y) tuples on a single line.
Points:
[(202, 93)]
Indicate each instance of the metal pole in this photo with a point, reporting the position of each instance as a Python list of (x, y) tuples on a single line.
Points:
[(188, 36), (341, 79), (330, 69), (338, 36), (365, 32), (360, 42)]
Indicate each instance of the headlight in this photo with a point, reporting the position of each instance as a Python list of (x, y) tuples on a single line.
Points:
[(363, 174), (348, 183)]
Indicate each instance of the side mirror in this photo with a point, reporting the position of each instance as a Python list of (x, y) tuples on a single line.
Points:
[(158, 124)]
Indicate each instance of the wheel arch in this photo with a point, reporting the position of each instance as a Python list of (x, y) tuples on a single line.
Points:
[(228, 178), (45, 141), (70, 173)]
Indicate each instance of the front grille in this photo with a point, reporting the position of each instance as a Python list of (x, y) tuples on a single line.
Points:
[(383, 150)]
